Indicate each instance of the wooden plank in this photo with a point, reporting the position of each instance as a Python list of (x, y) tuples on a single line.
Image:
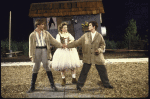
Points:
[(75, 9), (99, 4), (91, 4), (68, 1), (94, 12), (56, 10), (74, 5), (39, 11), (83, 4), (88, 12), (50, 5), (12, 53), (55, 5), (82, 9), (76, 13), (88, 4), (69, 5), (64, 10), (125, 50), (66, 5), (79, 4), (83, 12), (90, 9), (46, 14)]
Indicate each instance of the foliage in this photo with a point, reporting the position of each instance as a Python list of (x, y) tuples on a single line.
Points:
[(26, 48), (15, 46), (110, 44), (131, 35), (121, 44), (84, 25)]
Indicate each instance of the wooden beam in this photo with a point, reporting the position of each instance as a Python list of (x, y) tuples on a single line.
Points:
[(125, 50), (10, 31)]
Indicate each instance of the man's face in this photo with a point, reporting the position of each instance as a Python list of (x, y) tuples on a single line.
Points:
[(91, 27), (41, 27)]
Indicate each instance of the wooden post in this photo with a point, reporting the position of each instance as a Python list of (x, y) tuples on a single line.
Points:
[(10, 31), (100, 18), (10, 35)]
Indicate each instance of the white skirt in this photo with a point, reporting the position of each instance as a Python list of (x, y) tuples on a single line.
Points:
[(64, 59)]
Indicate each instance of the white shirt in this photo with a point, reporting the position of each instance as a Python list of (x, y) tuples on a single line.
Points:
[(39, 40), (71, 38), (93, 34)]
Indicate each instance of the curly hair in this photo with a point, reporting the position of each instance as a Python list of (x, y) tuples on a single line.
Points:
[(61, 26)]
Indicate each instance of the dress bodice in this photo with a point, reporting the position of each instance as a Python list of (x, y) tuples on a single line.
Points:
[(64, 39)]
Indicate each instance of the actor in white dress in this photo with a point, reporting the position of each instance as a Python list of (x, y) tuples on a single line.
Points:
[(65, 58)]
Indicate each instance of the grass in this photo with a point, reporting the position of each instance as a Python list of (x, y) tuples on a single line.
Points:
[(16, 46), (130, 80)]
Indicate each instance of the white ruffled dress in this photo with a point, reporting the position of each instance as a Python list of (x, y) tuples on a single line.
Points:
[(64, 59)]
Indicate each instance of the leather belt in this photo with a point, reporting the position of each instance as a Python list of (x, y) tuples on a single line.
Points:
[(41, 47)]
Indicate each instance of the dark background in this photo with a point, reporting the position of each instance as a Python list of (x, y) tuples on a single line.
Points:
[(116, 17)]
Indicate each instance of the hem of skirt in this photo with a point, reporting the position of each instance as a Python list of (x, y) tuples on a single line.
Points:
[(65, 69)]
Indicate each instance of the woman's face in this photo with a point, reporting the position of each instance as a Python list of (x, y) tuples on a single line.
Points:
[(64, 29)]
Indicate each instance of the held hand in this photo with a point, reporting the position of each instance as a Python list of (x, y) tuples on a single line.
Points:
[(96, 52), (64, 45), (31, 58)]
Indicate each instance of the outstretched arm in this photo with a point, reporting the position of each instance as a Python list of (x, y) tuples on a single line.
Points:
[(76, 43), (54, 42)]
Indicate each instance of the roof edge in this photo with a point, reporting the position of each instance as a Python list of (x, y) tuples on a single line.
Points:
[(67, 1)]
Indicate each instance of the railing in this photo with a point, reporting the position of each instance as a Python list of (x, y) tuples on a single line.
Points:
[(125, 50)]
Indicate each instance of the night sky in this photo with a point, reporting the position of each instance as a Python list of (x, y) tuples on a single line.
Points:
[(116, 17)]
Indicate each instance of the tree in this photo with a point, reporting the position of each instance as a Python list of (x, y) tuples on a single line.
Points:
[(131, 36)]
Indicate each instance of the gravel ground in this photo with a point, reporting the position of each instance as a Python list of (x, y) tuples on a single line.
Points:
[(128, 79)]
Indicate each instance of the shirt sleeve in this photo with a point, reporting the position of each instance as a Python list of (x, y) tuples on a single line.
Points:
[(58, 37), (71, 38)]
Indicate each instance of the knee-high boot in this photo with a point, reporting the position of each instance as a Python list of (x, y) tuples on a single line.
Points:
[(32, 88), (50, 77)]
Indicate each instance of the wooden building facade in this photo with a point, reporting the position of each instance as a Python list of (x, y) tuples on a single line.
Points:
[(74, 12)]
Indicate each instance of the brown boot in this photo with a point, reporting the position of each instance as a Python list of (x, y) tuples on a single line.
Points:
[(63, 82), (74, 81)]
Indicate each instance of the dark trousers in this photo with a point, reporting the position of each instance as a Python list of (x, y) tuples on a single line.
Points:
[(101, 70)]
